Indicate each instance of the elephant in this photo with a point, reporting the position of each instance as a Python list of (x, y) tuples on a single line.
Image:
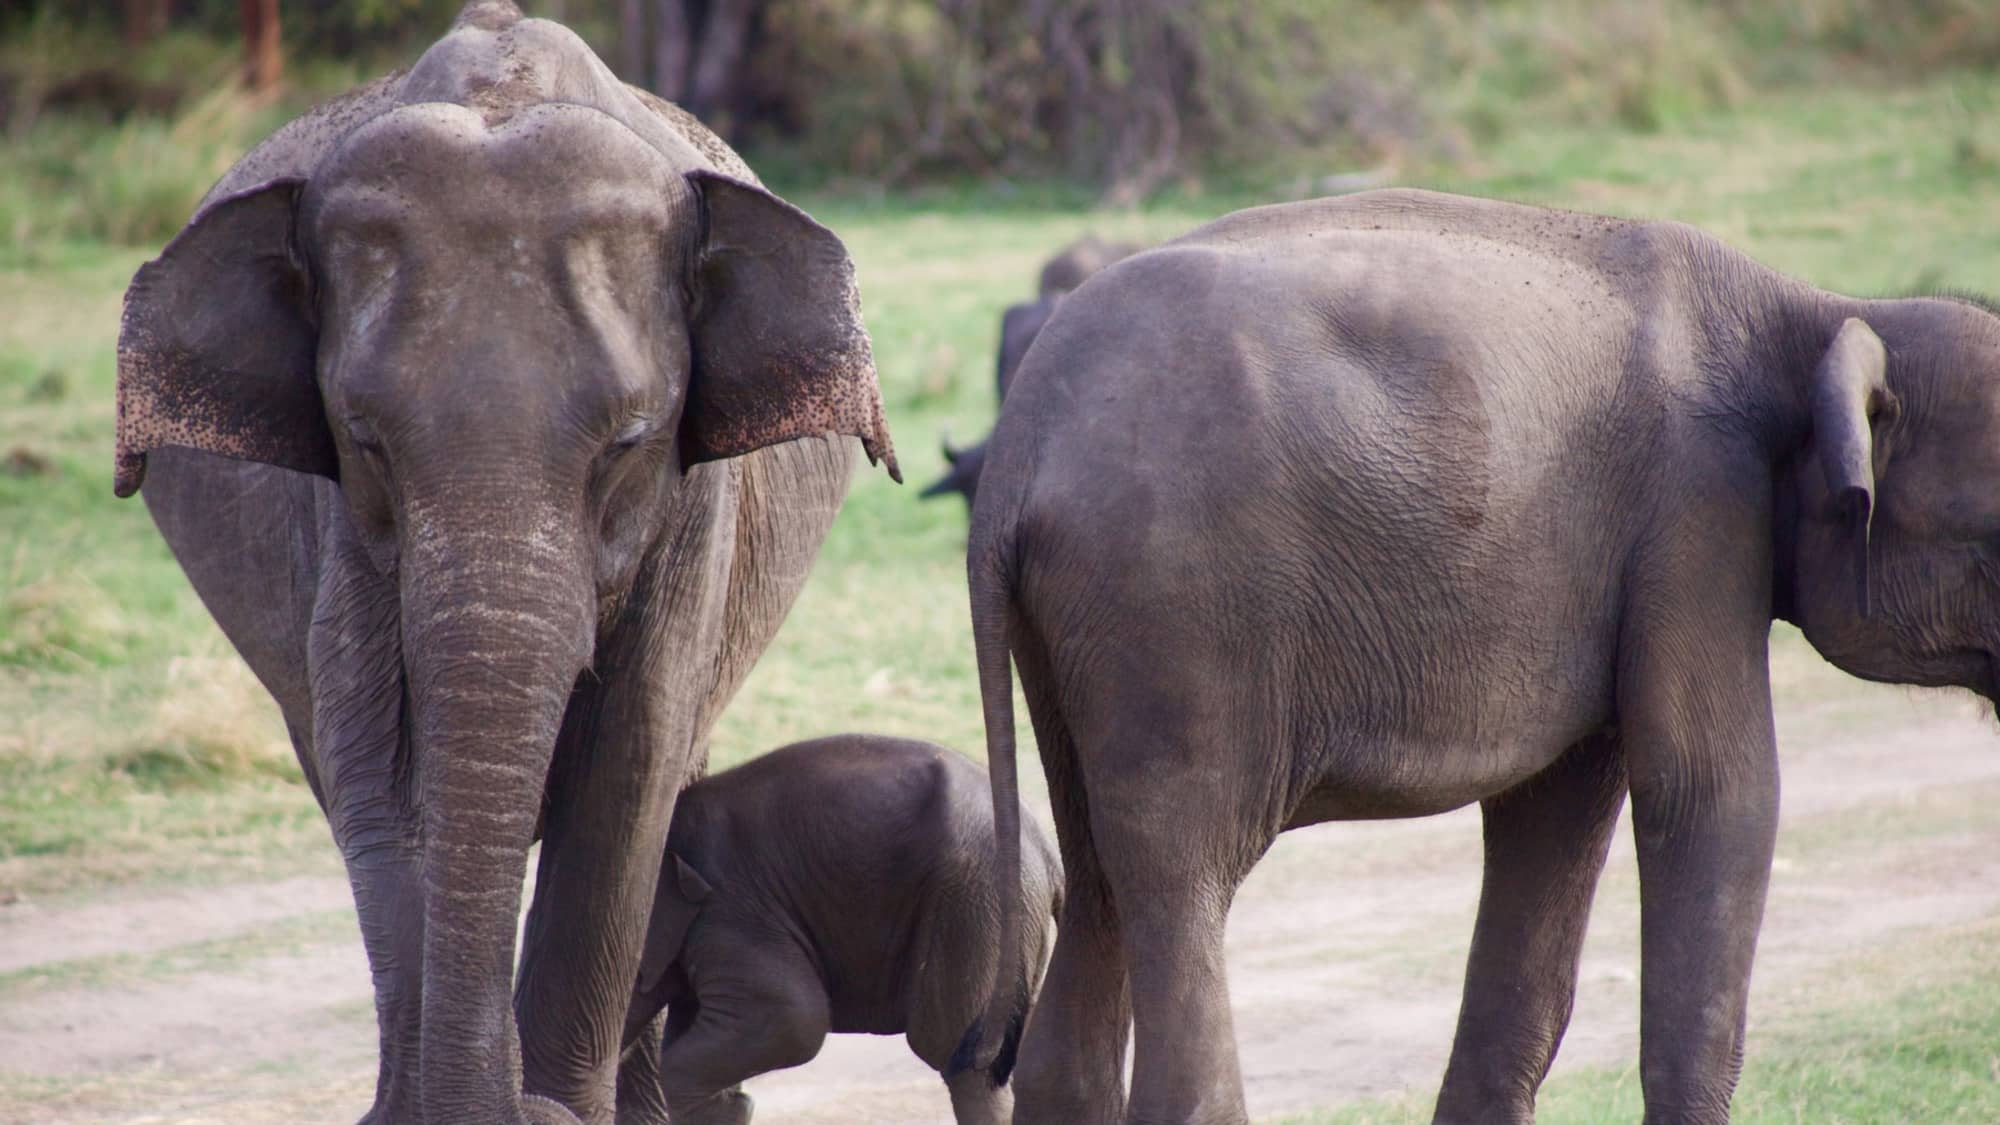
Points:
[(1391, 503), (839, 885), (1019, 324), (493, 411)]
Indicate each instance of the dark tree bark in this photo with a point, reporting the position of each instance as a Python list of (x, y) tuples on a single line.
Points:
[(673, 44), (263, 60), (719, 62), (144, 20), (632, 41)]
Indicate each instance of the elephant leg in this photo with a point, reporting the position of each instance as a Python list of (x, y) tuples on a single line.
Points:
[(1173, 877), (1545, 845), (388, 897), (1071, 1064), (1702, 755), (640, 1099), (359, 756), (767, 1013), (627, 745), (975, 1100)]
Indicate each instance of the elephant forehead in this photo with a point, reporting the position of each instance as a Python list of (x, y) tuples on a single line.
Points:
[(547, 167)]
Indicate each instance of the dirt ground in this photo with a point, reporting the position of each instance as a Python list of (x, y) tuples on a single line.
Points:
[(250, 1002)]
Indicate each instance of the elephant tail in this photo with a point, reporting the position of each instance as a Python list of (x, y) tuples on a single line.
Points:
[(989, 1044)]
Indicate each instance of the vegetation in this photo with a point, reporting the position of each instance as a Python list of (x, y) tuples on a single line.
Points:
[(1852, 142)]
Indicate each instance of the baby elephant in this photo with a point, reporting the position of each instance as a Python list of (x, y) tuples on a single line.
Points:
[(839, 885)]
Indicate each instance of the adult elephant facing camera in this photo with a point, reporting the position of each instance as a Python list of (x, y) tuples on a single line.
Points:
[(1453, 501), (520, 386)]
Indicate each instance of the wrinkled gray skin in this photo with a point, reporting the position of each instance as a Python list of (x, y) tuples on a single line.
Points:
[(1451, 501), (516, 380), (839, 885), (1070, 268)]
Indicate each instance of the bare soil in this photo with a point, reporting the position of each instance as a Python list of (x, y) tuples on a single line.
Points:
[(250, 1002)]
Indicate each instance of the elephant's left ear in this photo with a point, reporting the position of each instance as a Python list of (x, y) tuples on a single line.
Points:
[(217, 346), (779, 350)]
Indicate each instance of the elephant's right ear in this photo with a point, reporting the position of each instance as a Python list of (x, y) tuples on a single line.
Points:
[(217, 348), (1850, 394)]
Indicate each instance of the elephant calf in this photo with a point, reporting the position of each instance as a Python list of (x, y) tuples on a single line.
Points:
[(839, 885)]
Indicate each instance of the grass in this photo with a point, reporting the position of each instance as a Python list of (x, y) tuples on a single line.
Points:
[(1864, 190), (1858, 1053), (133, 747)]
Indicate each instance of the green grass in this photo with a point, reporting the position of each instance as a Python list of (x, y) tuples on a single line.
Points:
[(1858, 189), (1857, 1052), (134, 748)]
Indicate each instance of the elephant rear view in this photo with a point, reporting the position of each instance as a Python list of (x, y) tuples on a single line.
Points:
[(1397, 502), (484, 376)]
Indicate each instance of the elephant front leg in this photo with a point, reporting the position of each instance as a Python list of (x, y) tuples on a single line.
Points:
[(1545, 845), (606, 829), (1704, 776), (764, 1010)]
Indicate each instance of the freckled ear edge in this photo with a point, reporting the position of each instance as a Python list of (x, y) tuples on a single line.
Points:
[(216, 346), (779, 348)]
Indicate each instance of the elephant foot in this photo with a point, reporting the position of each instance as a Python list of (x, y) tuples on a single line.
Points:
[(731, 1107), (545, 1111)]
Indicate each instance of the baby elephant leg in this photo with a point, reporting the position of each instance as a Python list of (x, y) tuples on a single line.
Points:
[(975, 1100), (772, 1017)]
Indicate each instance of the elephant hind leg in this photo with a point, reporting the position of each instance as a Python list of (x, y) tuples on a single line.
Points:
[(1545, 845), (1071, 1060), (1175, 846)]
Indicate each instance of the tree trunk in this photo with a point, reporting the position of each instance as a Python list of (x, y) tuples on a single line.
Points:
[(144, 20), (718, 66), (632, 41), (263, 61), (673, 35)]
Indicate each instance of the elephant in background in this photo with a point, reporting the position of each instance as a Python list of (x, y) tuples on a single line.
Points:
[(840, 885), (1471, 501), (487, 408), (1070, 268)]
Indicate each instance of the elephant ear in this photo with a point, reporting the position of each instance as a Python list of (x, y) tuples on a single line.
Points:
[(676, 901), (1850, 392), (779, 350), (216, 350)]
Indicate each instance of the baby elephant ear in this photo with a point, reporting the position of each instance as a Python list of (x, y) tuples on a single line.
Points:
[(216, 351), (1850, 392), (692, 886), (676, 901), (779, 350)]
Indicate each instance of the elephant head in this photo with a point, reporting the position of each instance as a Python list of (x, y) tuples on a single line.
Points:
[(1894, 568), (506, 311)]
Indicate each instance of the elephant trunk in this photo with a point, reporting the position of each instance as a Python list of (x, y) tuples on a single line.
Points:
[(497, 630)]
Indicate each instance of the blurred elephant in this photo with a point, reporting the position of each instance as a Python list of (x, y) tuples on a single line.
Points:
[(839, 885), (1471, 502), (484, 408), (1019, 325)]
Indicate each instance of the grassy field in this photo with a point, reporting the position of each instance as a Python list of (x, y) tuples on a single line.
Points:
[(135, 750)]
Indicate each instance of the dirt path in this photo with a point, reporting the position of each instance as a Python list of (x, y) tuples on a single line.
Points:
[(250, 1002)]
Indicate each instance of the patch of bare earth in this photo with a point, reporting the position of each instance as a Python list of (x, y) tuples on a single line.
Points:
[(1346, 948)]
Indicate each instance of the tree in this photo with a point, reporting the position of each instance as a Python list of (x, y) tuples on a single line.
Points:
[(263, 60)]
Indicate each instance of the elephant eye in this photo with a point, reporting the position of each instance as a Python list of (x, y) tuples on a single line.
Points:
[(363, 435), (632, 433)]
